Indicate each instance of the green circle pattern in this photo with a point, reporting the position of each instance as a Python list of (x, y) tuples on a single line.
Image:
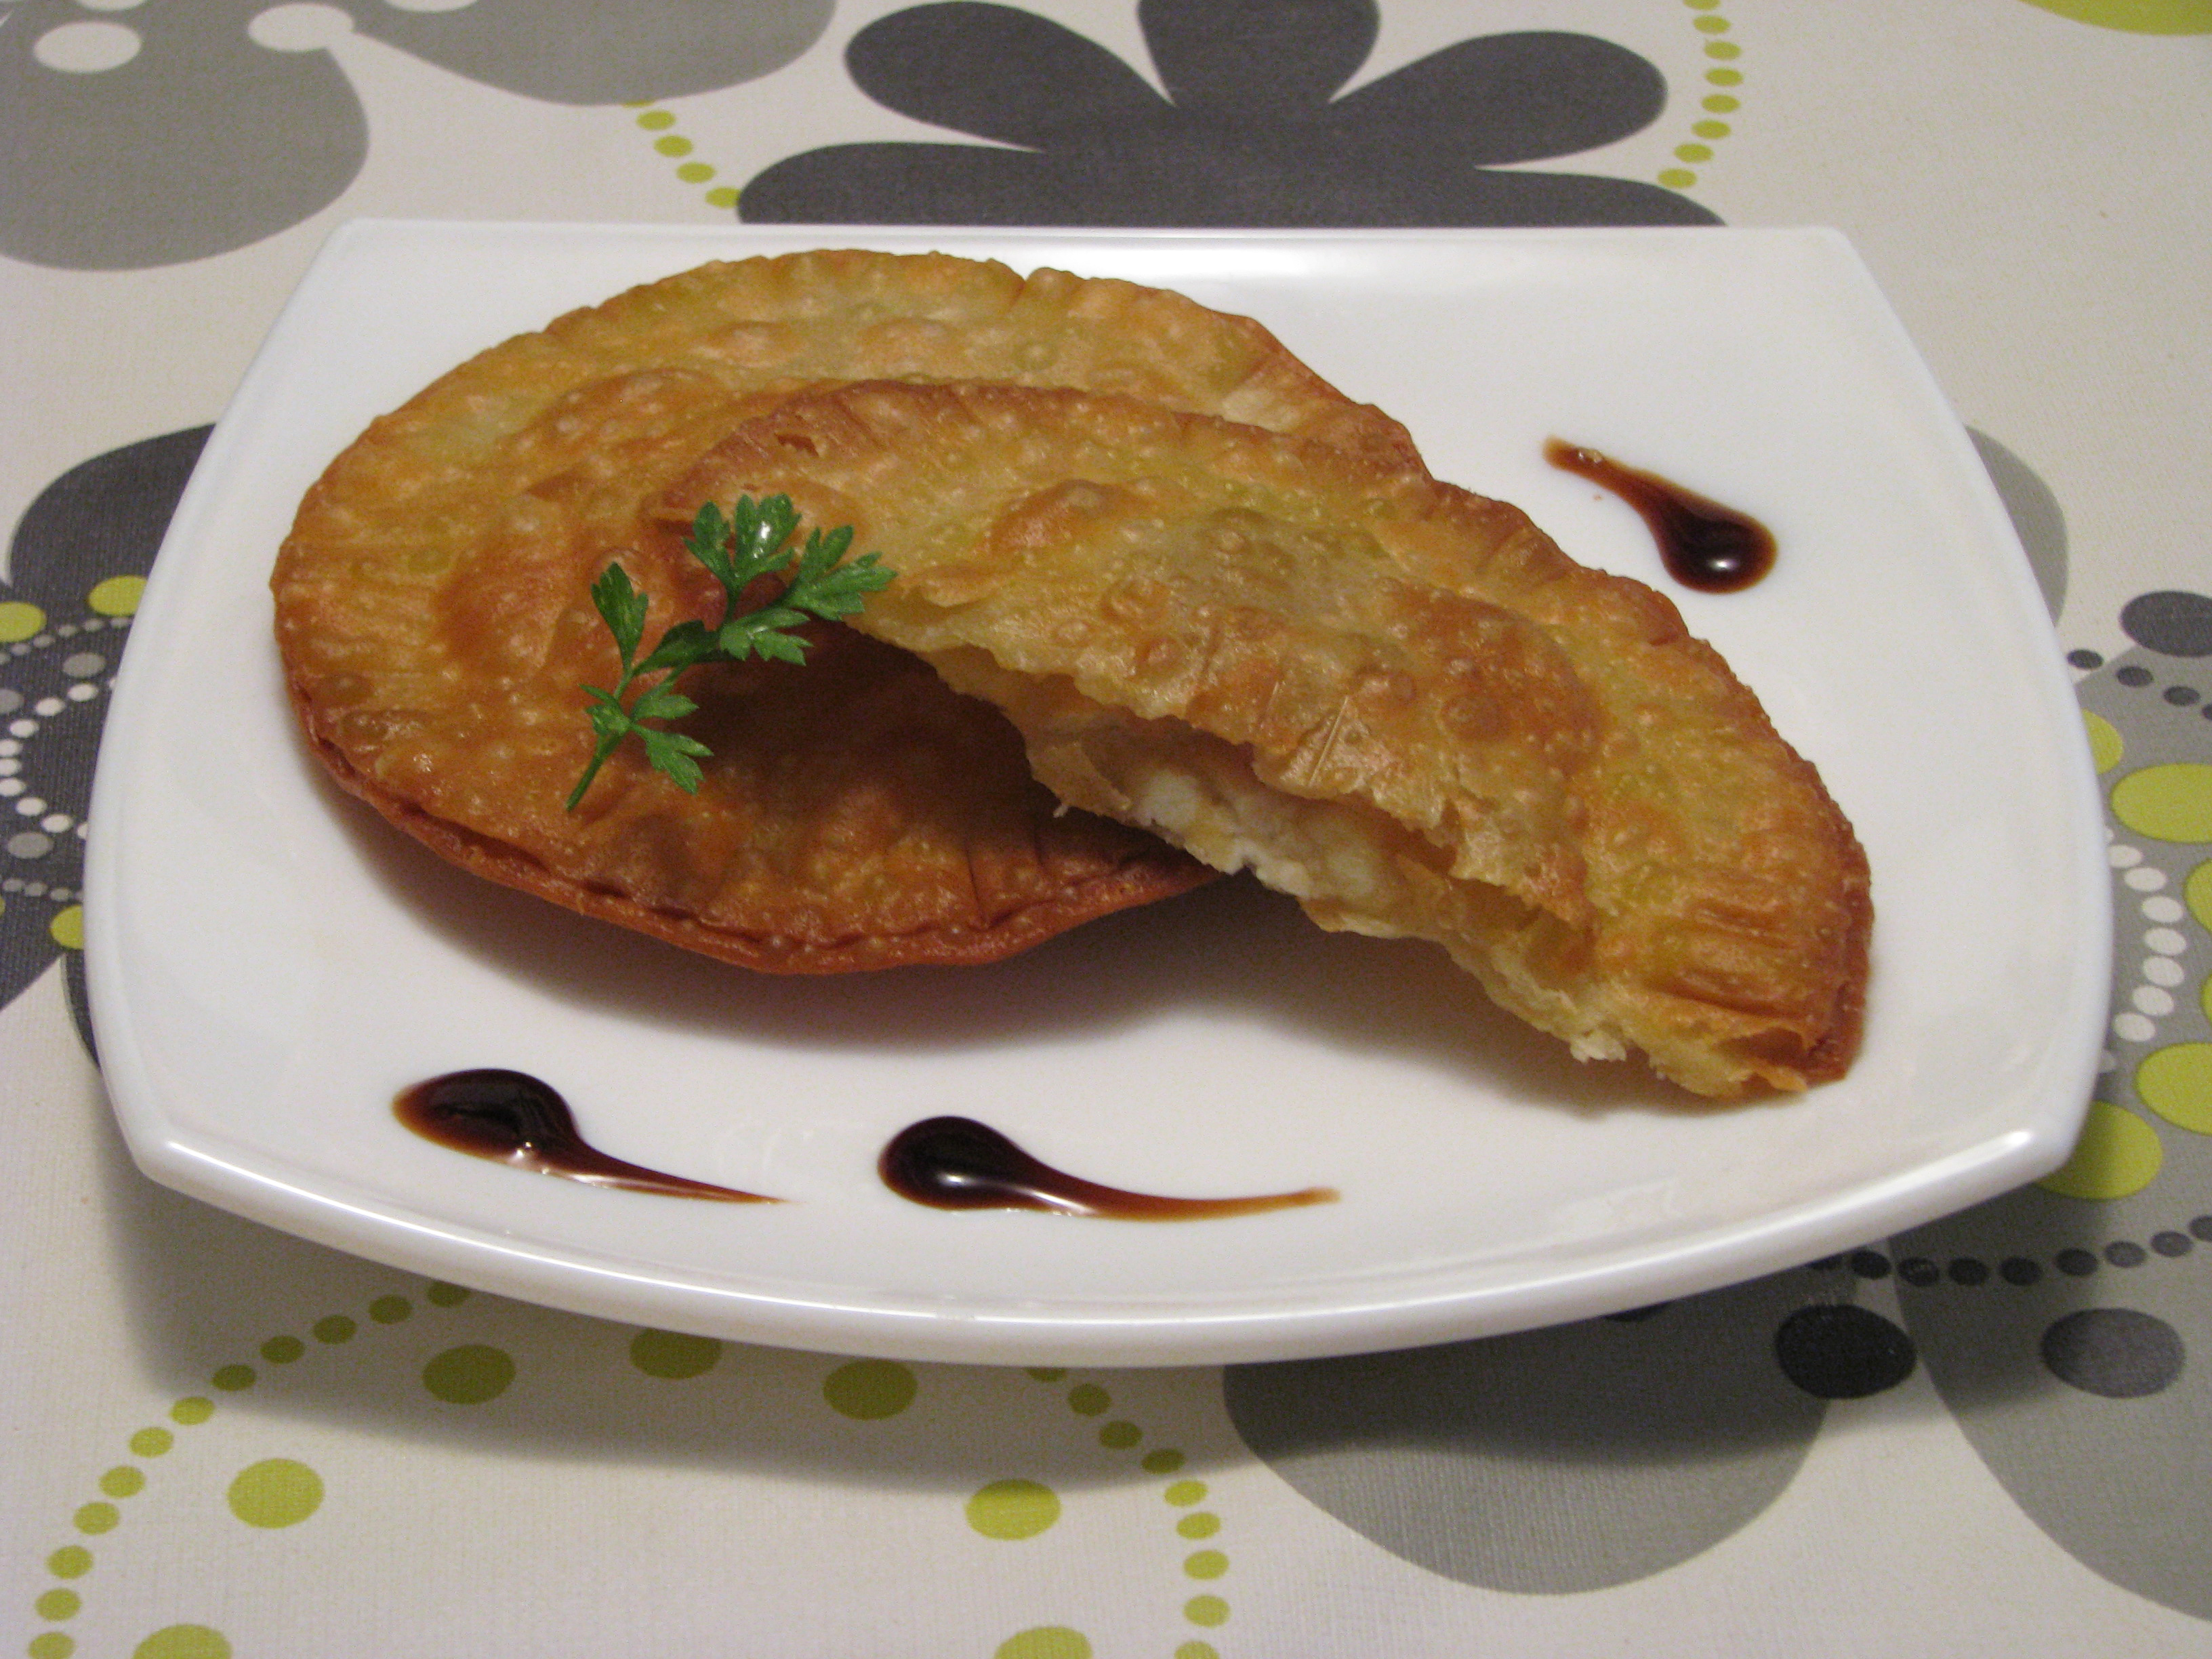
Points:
[(1014, 1509), (869, 1389), (183, 1642), (2170, 803), (675, 147), (1718, 104), (277, 1491), (2175, 1082), (673, 1354), (1207, 1610), (2118, 1154), (470, 1375), (2196, 893), (1044, 1642), (274, 1493)]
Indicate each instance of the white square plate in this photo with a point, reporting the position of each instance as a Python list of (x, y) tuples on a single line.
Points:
[(270, 965)]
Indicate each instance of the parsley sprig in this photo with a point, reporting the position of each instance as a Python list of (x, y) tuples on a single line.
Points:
[(750, 541)]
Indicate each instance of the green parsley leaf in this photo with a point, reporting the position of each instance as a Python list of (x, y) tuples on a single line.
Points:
[(736, 548)]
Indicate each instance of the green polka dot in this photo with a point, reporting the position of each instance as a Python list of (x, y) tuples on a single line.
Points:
[(67, 928), (1197, 1649), (695, 173), (277, 1491), (93, 1519), (1204, 1525), (442, 1294), (50, 1645), (1205, 1564), (69, 1561), (1045, 1642), (656, 120), (673, 1354), (231, 1378), (59, 1604), (1702, 5), (183, 1642), (390, 1310), (1712, 128), (2106, 744), (1183, 1493), (1723, 49), (1120, 1437), (2197, 892), (2118, 1154), (1047, 1373), (118, 596), (2137, 16), (2166, 803), (468, 1375), (1165, 1461), (123, 1481), (1720, 104), (1724, 77), (867, 1389), (1694, 152), (722, 197), (151, 1443), (1677, 178), (283, 1350), (1207, 1610), (1013, 1508), (19, 621), (192, 1409), (1089, 1398), (336, 1327), (673, 145), (2175, 1082), (1712, 25)]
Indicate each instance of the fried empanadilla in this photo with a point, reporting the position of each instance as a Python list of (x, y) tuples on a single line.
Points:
[(433, 614), (1394, 699)]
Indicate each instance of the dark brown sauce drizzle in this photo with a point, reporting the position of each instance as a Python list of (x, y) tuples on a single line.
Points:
[(511, 1117), (957, 1164), (1714, 549)]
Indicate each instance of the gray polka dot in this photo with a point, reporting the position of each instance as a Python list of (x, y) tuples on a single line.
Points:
[(2176, 624), (2117, 1352), (83, 664), (29, 845)]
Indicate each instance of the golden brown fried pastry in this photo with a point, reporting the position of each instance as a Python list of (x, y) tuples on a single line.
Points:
[(856, 813), (433, 611), (776, 324), (1394, 699)]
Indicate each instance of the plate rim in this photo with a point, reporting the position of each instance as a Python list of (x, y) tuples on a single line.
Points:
[(468, 1254)]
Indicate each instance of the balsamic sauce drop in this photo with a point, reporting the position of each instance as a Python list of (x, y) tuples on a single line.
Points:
[(1714, 549), (511, 1117), (957, 1164)]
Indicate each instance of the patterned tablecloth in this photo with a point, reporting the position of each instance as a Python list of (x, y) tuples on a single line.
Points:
[(1993, 1434)]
